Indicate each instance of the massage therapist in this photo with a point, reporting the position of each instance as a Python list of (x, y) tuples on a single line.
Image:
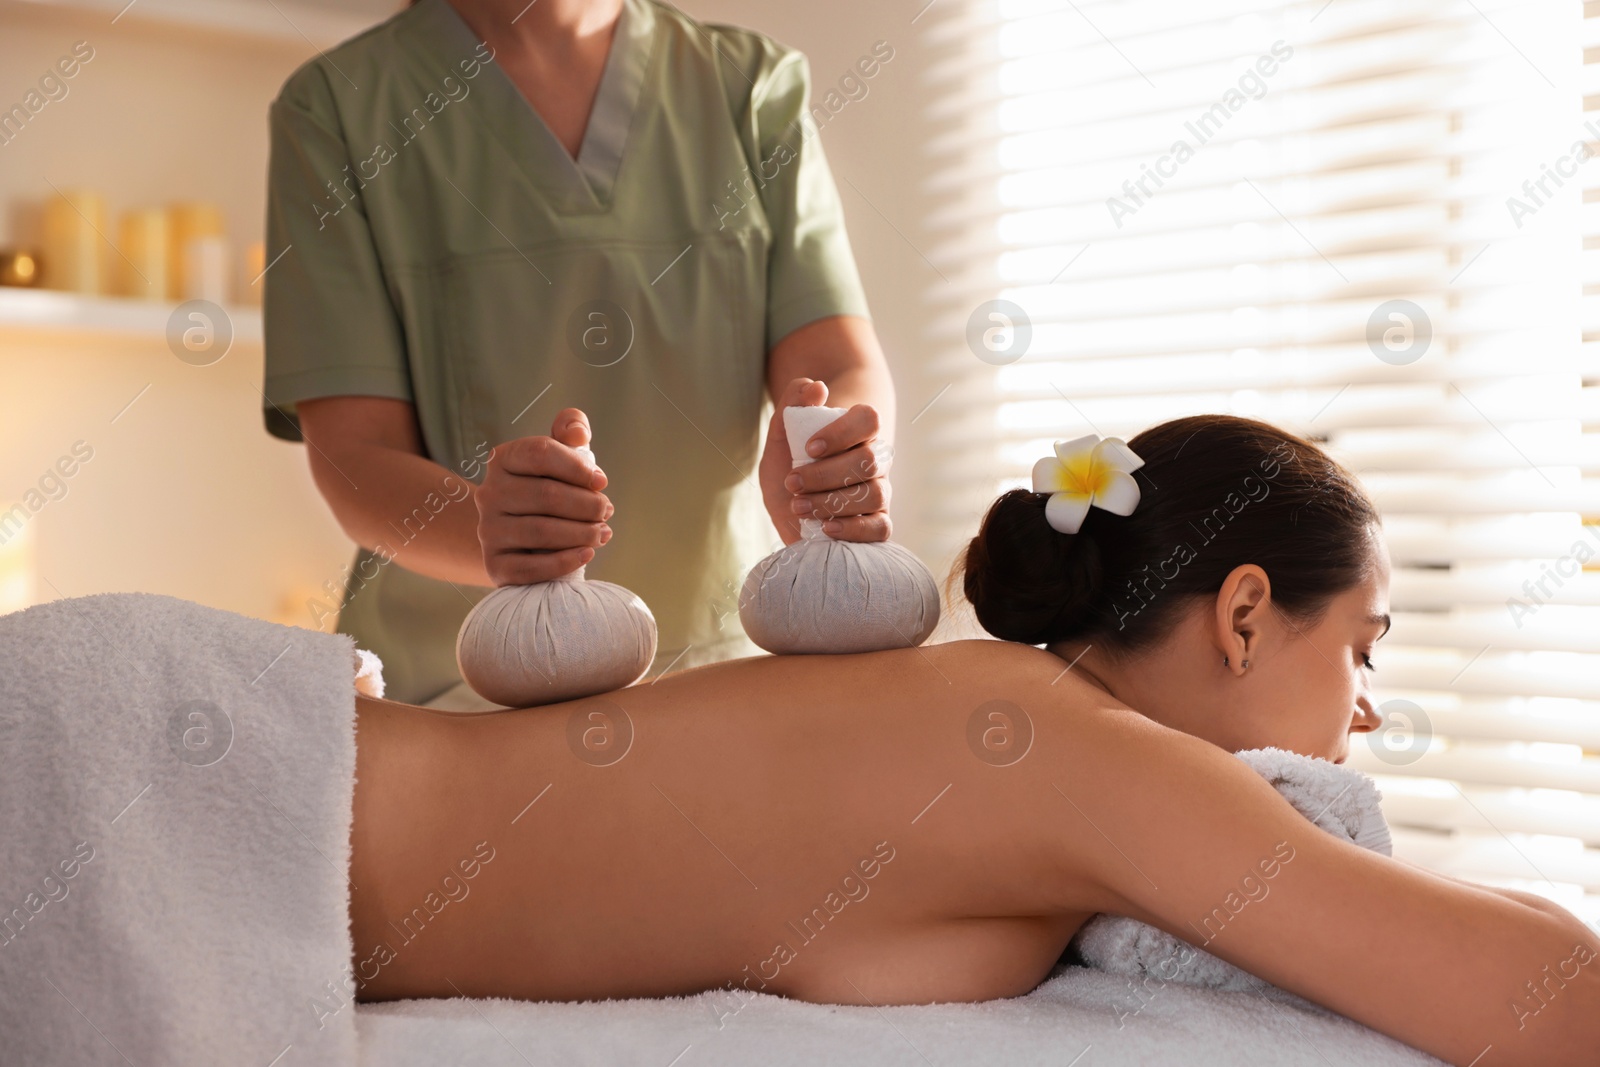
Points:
[(492, 223)]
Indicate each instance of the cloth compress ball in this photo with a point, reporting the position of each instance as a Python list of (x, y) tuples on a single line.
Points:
[(558, 640), (819, 595)]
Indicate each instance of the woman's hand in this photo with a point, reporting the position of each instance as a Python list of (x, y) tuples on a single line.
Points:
[(846, 485), (540, 510)]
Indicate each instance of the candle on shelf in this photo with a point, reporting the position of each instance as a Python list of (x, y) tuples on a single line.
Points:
[(74, 251), (143, 263), (188, 223), (205, 270), (19, 267)]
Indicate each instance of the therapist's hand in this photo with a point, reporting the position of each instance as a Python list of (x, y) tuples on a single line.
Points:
[(540, 510), (846, 485)]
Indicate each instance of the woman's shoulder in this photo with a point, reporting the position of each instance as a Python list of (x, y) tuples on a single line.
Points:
[(759, 58), (992, 650), (733, 41), (1011, 705), (395, 56), (1016, 671)]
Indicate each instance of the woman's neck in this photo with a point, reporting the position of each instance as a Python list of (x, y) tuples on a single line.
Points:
[(1181, 683), (522, 23), (1082, 661)]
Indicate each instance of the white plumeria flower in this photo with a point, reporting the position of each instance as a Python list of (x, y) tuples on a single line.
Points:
[(1087, 471)]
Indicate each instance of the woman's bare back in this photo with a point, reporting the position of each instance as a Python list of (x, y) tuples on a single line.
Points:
[(920, 825), (746, 823)]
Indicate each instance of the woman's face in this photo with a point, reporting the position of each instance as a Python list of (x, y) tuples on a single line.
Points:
[(1306, 688)]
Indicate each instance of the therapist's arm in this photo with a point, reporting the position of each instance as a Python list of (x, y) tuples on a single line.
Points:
[(367, 460), (848, 485)]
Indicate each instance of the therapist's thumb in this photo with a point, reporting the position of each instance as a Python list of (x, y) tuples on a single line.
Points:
[(571, 428), (802, 393)]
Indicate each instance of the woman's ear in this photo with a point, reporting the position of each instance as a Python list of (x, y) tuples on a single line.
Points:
[(1243, 615)]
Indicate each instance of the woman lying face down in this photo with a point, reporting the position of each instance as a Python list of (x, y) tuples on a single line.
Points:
[(845, 829), (1240, 602)]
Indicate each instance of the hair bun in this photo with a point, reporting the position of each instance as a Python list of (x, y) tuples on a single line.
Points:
[(1027, 581)]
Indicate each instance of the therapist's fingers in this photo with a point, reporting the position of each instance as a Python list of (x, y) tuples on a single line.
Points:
[(544, 457), (503, 496), (866, 461), (857, 425), (803, 393), (571, 428), (540, 513), (874, 527), (863, 498), (799, 393), (542, 533), (546, 496)]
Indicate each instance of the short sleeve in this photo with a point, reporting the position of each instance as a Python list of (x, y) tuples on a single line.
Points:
[(811, 273), (329, 324)]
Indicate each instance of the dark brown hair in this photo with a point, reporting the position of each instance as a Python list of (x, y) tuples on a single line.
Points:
[(1216, 492)]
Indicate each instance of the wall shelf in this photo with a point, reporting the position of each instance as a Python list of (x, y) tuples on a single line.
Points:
[(72, 316)]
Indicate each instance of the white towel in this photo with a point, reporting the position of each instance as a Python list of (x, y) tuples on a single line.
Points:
[(369, 673), (1339, 799), (176, 803), (1079, 1017)]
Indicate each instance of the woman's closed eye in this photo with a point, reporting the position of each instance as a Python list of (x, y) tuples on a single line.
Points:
[(1366, 661)]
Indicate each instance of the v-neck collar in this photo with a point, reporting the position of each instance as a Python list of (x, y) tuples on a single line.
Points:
[(600, 154), (581, 185)]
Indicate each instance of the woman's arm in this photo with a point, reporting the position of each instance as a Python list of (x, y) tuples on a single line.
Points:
[(1532, 900), (1185, 837)]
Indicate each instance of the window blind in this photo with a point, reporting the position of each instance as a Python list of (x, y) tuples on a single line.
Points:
[(1374, 225)]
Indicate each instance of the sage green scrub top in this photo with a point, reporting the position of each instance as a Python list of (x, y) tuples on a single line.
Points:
[(438, 245)]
